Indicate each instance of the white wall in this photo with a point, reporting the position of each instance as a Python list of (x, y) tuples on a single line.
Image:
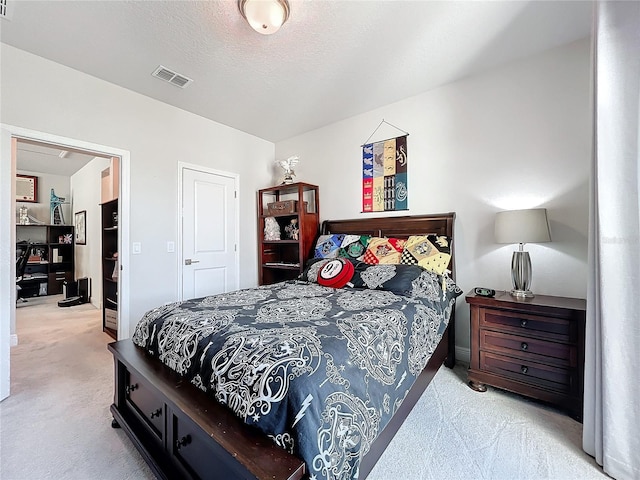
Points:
[(44, 96), (85, 192), (42, 209), (514, 137), (7, 254)]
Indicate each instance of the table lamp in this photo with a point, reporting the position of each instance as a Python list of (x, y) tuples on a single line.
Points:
[(522, 226)]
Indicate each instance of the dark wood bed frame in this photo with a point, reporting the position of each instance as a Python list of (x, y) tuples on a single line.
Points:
[(183, 433)]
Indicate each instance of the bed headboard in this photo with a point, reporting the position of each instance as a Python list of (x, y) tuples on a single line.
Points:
[(403, 227), (399, 227)]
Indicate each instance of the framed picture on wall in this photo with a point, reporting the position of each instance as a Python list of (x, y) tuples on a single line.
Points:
[(26, 188), (81, 227)]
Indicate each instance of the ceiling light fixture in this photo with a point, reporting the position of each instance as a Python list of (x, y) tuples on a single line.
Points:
[(264, 16)]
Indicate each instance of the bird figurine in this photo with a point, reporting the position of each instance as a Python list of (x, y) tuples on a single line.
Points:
[(287, 165)]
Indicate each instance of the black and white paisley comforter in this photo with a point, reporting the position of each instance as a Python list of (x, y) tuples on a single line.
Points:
[(320, 370)]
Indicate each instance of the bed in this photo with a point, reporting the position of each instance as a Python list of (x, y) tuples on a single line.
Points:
[(291, 380)]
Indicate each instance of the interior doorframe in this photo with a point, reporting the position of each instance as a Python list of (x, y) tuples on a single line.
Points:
[(182, 166), (7, 234)]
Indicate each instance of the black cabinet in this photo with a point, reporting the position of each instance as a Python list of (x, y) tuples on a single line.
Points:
[(110, 267), (51, 260)]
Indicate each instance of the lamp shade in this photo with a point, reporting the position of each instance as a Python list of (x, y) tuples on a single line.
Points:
[(522, 226)]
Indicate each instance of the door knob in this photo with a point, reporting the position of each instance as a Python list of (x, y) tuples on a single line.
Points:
[(188, 261)]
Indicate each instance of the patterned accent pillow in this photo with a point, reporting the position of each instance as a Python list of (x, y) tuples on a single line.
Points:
[(328, 246), (311, 270), (392, 278), (432, 252), (384, 250), (436, 288), (354, 246)]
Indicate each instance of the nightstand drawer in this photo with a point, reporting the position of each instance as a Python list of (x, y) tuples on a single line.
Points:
[(558, 379), (521, 323), (559, 354)]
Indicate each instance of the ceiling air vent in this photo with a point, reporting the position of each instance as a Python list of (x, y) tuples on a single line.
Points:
[(163, 73), (6, 9)]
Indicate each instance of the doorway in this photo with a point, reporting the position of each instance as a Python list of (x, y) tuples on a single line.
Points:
[(58, 226), (9, 136)]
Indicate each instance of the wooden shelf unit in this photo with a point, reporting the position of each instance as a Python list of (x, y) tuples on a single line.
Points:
[(109, 266), (284, 259), (46, 240)]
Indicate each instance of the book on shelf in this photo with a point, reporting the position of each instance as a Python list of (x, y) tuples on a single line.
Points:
[(282, 264)]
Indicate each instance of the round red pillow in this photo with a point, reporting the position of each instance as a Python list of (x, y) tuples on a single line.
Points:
[(336, 273)]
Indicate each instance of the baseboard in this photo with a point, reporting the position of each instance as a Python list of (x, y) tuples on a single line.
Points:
[(463, 355), (13, 340)]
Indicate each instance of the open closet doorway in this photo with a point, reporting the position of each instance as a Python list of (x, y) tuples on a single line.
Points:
[(15, 141)]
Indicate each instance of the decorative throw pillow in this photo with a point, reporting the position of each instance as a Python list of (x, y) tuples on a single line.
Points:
[(436, 288), (354, 246), (327, 246), (393, 278), (384, 250), (432, 252), (336, 273), (311, 270)]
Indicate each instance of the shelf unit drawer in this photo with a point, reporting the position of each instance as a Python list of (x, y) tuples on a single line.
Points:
[(559, 329), (560, 354), (56, 281)]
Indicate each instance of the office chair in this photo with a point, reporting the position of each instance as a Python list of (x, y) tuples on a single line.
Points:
[(23, 250)]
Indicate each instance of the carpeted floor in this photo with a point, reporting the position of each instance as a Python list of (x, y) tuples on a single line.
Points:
[(56, 423)]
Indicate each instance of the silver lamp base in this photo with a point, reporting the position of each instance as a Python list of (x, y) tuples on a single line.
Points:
[(521, 274), (521, 293)]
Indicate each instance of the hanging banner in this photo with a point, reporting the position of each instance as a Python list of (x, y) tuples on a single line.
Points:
[(384, 175)]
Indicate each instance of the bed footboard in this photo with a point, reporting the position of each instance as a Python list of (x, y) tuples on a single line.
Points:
[(181, 433)]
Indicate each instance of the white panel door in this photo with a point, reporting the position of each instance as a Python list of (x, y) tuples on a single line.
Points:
[(209, 226)]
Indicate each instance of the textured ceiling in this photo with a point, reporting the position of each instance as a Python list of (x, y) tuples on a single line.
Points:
[(44, 158), (330, 61)]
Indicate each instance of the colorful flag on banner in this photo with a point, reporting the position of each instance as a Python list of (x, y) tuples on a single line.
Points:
[(384, 175)]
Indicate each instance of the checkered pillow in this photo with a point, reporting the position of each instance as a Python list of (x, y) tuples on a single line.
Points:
[(432, 252), (384, 250)]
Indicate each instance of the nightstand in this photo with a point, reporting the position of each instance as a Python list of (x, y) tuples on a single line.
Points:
[(532, 346)]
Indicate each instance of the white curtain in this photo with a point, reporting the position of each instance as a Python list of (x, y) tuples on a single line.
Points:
[(612, 362)]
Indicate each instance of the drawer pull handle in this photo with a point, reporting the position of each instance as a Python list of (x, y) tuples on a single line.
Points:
[(524, 346), (130, 388), (183, 442), (523, 323), (156, 413), (524, 369)]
